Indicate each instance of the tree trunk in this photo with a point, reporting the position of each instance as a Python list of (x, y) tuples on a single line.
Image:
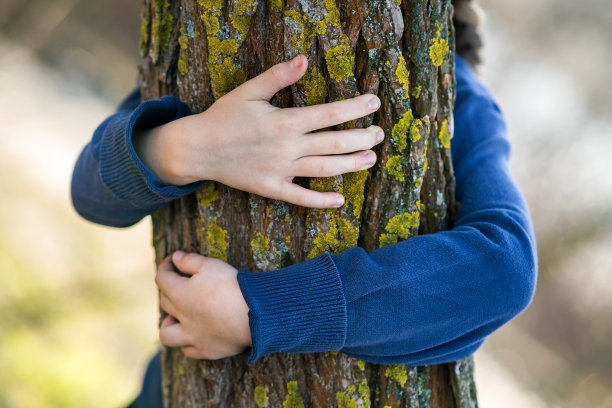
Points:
[(401, 51)]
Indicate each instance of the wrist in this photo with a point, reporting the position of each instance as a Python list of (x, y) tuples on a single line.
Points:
[(158, 148)]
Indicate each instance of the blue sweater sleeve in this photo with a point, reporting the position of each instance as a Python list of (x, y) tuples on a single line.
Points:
[(429, 299), (110, 184)]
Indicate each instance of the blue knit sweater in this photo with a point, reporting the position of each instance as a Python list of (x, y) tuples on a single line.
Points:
[(427, 300)]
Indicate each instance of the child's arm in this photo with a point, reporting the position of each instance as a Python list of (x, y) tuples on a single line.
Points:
[(241, 141), (110, 185), (429, 299)]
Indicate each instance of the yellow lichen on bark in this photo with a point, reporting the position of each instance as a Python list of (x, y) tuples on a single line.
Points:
[(354, 397), (226, 76), (353, 187), (260, 397), (260, 244), (314, 86), (407, 127), (277, 5), (400, 227), (207, 193), (216, 242), (444, 136), (144, 33), (225, 73), (182, 66), (211, 23), (397, 373), (395, 167), (341, 236), (340, 61), (183, 39), (308, 30), (344, 400), (439, 50), (325, 184), (403, 76), (294, 399), (240, 18), (364, 393), (161, 27)]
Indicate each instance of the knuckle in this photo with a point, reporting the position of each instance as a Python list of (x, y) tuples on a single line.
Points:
[(325, 169), (374, 130), (357, 163), (304, 201), (169, 294), (276, 72), (163, 302), (206, 355), (285, 124), (363, 139), (335, 113), (271, 190), (188, 336), (302, 121), (338, 145), (163, 338), (364, 107)]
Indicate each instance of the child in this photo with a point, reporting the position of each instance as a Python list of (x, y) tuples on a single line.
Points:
[(426, 300)]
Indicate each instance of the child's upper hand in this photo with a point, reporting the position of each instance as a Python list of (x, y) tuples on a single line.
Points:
[(245, 142), (208, 316)]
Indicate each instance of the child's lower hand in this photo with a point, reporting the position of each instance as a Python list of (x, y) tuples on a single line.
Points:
[(245, 142), (208, 316)]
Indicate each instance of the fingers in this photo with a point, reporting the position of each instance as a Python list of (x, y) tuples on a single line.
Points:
[(292, 193), (171, 333), (168, 306), (342, 141), (192, 352), (166, 278), (264, 86), (188, 263), (327, 166), (315, 117)]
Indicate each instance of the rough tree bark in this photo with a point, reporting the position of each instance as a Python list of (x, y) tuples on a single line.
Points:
[(400, 50)]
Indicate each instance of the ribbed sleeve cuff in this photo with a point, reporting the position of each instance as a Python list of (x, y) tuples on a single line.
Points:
[(297, 309), (122, 170)]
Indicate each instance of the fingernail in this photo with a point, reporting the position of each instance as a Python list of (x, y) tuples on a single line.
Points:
[(374, 103), (294, 62), (338, 201), (380, 135), (178, 255), (370, 158)]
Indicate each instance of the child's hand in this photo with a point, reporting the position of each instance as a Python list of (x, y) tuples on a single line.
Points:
[(208, 316), (245, 142)]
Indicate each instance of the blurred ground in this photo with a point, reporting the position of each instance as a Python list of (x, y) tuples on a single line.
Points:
[(78, 303)]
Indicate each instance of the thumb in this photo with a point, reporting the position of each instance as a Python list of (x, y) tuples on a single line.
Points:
[(264, 86), (188, 264)]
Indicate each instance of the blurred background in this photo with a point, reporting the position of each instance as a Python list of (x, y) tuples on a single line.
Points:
[(77, 301)]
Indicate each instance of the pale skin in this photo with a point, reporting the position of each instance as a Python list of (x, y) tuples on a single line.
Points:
[(245, 142), (207, 315)]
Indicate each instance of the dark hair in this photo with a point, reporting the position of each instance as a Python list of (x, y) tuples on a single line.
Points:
[(467, 19)]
